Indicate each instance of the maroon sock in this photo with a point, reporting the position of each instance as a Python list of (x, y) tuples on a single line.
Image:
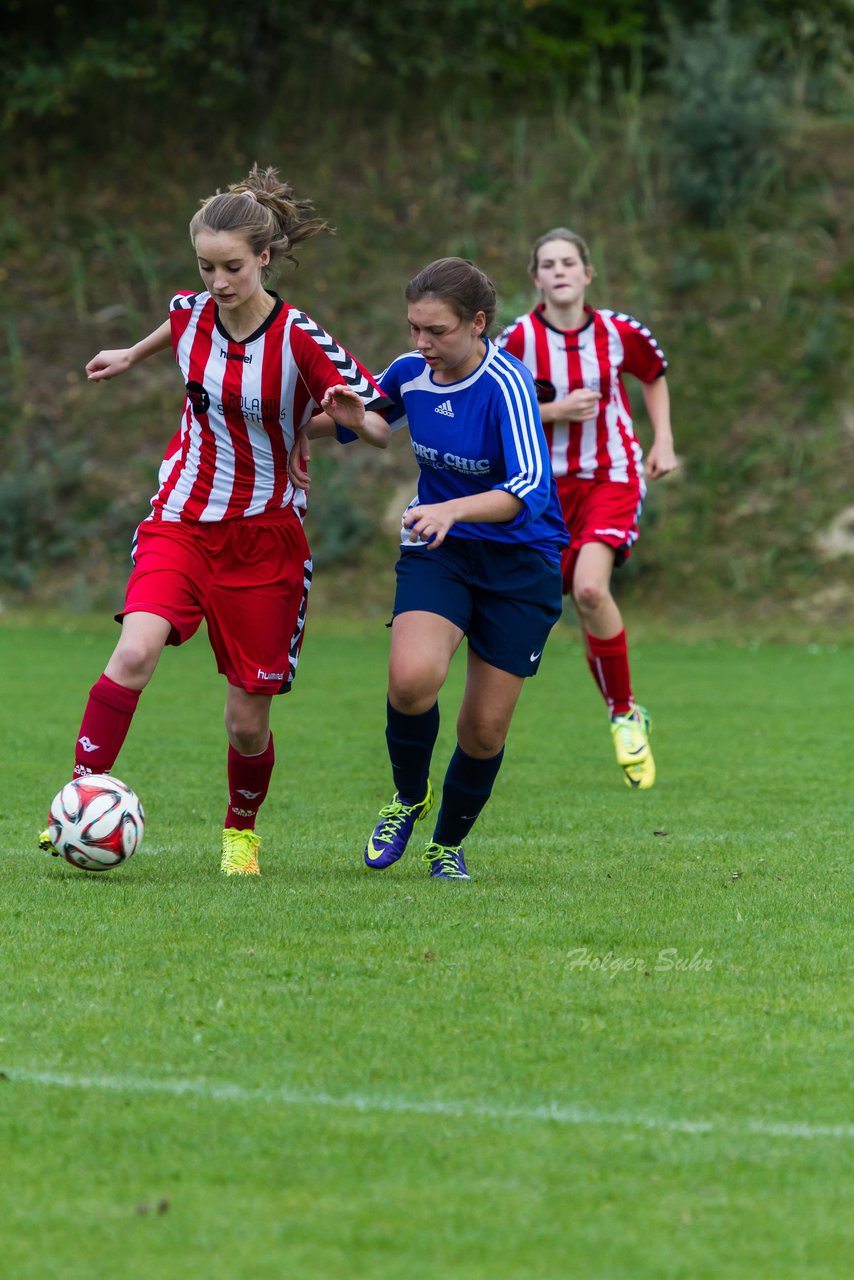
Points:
[(104, 728), (608, 661), (248, 782)]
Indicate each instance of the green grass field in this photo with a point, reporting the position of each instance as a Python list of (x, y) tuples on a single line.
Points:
[(623, 1050)]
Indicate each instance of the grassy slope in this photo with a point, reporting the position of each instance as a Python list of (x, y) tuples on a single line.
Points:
[(322, 980), (753, 320)]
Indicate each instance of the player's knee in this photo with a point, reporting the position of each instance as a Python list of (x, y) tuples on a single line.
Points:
[(133, 663), (412, 689), (481, 738), (412, 700), (247, 731), (247, 739), (247, 742), (589, 595), (412, 695)]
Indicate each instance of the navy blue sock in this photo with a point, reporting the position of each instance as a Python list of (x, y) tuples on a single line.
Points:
[(468, 786), (410, 748)]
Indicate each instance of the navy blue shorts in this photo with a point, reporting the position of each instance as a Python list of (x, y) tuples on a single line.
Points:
[(505, 598)]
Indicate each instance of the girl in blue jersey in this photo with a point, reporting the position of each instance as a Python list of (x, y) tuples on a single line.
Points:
[(480, 556)]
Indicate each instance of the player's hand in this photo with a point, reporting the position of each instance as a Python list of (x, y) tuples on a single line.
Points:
[(429, 523), (661, 460), (108, 364), (346, 406), (298, 461), (579, 405)]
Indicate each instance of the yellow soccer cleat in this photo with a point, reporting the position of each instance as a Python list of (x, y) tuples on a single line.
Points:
[(631, 743), (240, 852), (46, 844)]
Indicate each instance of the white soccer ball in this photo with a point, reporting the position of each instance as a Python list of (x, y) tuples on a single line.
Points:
[(96, 822)]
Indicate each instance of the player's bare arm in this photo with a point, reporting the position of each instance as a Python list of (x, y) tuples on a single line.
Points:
[(578, 406), (346, 407), (109, 364), (433, 523), (661, 459), (300, 456)]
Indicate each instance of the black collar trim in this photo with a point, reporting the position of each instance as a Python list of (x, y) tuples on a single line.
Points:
[(538, 315), (262, 329)]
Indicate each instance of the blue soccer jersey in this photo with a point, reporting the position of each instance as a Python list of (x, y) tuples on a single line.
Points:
[(481, 433)]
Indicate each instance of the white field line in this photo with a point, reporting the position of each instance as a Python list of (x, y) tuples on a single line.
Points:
[(555, 1113)]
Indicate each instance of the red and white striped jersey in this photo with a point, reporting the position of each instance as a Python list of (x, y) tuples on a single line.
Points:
[(245, 402), (595, 356)]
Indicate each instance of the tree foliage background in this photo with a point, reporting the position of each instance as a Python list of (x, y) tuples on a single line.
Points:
[(704, 149), (62, 63)]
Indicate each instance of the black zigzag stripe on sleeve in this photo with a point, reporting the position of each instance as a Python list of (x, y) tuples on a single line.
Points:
[(350, 372), (639, 328), (635, 324), (183, 302)]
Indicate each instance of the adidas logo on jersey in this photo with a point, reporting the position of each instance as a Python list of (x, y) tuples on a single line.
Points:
[(445, 408)]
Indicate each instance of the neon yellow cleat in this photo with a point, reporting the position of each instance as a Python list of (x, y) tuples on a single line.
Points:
[(631, 744), (240, 852), (46, 844)]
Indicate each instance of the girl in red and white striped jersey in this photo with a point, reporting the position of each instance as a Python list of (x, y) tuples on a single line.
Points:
[(578, 357), (224, 541)]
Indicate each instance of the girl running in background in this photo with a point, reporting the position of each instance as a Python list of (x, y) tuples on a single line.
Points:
[(578, 357), (224, 541), (480, 557)]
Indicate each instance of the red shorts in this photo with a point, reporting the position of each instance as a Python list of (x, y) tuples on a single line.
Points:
[(598, 511), (248, 579)]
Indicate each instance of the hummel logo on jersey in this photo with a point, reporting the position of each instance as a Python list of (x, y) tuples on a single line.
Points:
[(250, 795), (87, 744), (270, 675), (445, 408)]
